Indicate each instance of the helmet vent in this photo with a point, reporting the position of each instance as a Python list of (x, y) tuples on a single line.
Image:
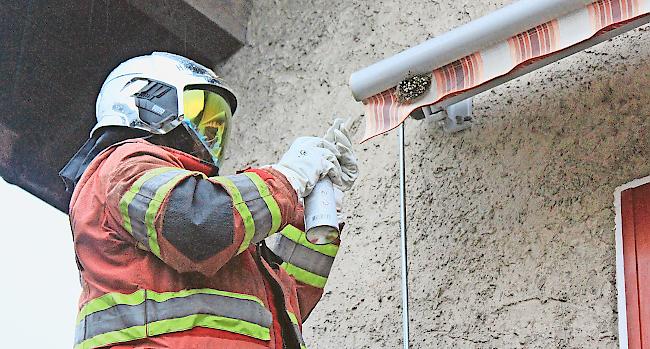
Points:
[(157, 105)]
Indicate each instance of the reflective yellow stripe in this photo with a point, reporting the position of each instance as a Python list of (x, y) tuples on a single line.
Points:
[(110, 299), (240, 206), (154, 207), (209, 321), (161, 297), (276, 216), (299, 237), (304, 276), (169, 312), (128, 197), (296, 327), (292, 316)]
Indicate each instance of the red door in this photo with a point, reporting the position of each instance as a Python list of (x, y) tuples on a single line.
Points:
[(633, 259)]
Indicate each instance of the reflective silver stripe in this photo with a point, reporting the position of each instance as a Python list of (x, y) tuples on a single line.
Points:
[(112, 319), (256, 205), (300, 256), (138, 207), (296, 329), (211, 304), (121, 316), (80, 331)]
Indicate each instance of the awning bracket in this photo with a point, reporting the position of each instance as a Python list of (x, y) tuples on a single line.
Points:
[(454, 118)]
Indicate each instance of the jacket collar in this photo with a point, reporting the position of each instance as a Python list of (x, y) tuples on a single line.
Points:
[(193, 163)]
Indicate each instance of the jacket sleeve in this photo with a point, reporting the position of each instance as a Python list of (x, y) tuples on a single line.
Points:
[(192, 222), (308, 264)]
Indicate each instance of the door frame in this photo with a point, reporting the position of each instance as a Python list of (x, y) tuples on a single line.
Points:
[(620, 263)]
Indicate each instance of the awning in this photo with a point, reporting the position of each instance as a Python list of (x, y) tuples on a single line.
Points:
[(491, 50)]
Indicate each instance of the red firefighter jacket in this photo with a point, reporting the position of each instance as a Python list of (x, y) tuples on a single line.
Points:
[(172, 258)]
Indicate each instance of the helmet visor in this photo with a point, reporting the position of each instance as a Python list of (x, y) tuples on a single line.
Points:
[(208, 115)]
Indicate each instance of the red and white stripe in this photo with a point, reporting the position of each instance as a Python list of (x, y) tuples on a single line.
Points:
[(535, 42), (607, 12), (384, 112), (460, 75)]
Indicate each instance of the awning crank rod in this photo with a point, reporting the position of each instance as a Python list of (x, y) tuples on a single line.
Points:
[(405, 293)]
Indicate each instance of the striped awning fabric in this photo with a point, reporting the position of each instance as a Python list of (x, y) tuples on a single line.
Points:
[(384, 112)]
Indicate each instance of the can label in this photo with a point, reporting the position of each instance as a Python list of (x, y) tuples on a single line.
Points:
[(321, 224)]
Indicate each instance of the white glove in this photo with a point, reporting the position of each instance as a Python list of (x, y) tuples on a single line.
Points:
[(338, 135), (308, 160), (338, 199)]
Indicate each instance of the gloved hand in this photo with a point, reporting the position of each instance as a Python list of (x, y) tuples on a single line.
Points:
[(338, 135), (308, 160)]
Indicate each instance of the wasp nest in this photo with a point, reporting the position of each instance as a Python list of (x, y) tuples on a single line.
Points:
[(413, 87)]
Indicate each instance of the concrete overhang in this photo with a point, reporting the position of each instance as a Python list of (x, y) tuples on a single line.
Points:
[(55, 55)]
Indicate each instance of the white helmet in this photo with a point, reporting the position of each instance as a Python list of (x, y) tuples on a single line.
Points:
[(158, 92)]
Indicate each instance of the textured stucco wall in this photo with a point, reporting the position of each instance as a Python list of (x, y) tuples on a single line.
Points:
[(511, 224)]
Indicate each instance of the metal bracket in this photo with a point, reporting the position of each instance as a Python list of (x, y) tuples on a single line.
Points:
[(454, 118)]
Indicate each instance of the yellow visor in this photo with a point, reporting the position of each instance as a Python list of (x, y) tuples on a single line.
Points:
[(208, 115)]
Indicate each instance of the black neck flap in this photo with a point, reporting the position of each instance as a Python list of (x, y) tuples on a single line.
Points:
[(72, 171), (177, 138)]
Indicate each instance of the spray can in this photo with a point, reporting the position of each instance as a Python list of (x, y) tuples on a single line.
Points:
[(321, 224)]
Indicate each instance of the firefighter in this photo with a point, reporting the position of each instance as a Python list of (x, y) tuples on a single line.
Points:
[(172, 255)]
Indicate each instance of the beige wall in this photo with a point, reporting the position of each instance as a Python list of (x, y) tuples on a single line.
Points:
[(511, 224)]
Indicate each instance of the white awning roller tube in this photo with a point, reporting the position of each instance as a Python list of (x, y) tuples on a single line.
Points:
[(460, 42)]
